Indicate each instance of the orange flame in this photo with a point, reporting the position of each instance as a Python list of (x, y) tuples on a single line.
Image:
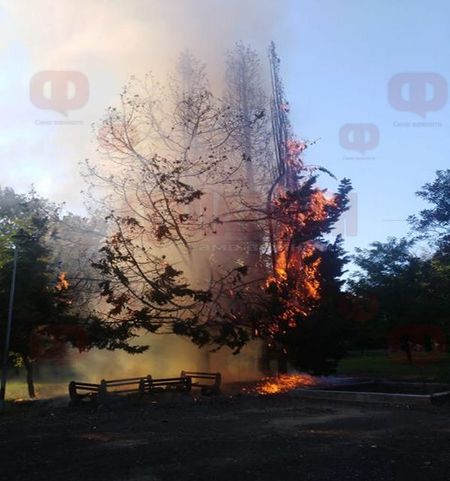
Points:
[(294, 267), (284, 383)]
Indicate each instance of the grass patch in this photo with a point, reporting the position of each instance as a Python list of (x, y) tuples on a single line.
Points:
[(378, 364), (17, 389)]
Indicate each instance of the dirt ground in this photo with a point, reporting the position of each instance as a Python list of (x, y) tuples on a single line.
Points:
[(224, 438)]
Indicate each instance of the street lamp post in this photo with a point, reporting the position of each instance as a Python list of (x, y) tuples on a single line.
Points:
[(8, 330)]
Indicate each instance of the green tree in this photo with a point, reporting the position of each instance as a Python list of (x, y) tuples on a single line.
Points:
[(25, 222), (408, 289), (434, 223), (47, 311)]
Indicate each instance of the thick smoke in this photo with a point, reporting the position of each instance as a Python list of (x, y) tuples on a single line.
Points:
[(109, 42)]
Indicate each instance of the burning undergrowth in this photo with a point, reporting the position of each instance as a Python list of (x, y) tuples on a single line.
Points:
[(283, 383)]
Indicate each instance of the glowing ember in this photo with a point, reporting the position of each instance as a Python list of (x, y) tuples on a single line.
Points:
[(62, 283), (284, 383)]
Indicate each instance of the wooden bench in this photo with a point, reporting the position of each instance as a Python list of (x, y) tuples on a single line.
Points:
[(148, 385), (208, 382), (82, 390), (79, 391), (120, 386)]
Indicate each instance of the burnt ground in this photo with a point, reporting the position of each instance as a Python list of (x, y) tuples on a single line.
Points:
[(224, 439)]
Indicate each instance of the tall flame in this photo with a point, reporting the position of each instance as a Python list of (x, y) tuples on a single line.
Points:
[(296, 269)]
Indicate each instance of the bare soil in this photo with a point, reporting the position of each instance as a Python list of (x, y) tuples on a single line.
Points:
[(225, 438)]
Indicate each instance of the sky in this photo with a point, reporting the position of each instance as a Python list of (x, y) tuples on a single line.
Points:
[(367, 80)]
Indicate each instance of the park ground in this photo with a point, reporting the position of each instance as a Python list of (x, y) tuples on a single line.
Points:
[(379, 365), (240, 437), (231, 437)]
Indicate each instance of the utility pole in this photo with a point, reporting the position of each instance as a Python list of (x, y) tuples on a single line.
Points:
[(285, 175), (8, 330), (281, 126)]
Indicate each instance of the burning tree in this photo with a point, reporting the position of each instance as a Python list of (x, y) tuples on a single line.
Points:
[(304, 283), (162, 156)]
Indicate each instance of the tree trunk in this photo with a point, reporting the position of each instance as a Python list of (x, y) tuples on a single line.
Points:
[(30, 380), (264, 360), (206, 361), (282, 363)]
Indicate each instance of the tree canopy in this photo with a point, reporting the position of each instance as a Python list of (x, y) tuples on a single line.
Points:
[(209, 240), (50, 312)]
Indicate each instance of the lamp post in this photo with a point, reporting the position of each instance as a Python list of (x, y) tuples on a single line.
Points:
[(8, 331)]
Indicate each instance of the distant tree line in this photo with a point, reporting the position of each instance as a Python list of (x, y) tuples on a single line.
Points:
[(394, 284)]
